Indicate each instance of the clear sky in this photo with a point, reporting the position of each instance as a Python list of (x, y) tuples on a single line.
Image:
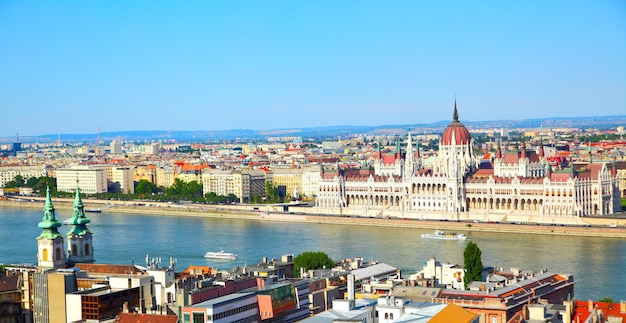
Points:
[(74, 66)]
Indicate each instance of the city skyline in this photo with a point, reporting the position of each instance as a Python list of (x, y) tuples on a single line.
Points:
[(216, 66)]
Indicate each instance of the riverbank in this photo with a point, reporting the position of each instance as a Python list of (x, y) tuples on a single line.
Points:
[(226, 211)]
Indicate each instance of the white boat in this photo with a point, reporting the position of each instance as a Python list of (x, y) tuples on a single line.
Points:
[(440, 235), (220, 255)]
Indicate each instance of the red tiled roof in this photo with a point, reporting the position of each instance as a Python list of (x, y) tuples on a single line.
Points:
[(145, 318), (109, 269), (9, 283), (511, 158), (389, 159)]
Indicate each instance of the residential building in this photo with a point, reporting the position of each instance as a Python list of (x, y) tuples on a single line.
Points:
[(310, 180), (288, 181), (245, 185), (10, 299), (89, 179), (8, 173), (120, 179), (101, 303), (235, 307), (449, 275)]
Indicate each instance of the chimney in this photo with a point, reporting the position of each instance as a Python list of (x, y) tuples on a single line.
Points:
[(482, 287), (622, 307), (351, 292), (590, 306), (125, 307)]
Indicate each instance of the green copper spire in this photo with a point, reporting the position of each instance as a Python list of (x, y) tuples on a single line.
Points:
[(78, 221), (49, 223)]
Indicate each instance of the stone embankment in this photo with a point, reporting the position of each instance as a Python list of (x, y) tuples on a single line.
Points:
[(248, 213)]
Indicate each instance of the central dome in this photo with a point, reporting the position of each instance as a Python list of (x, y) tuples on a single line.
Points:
[(457, 130)]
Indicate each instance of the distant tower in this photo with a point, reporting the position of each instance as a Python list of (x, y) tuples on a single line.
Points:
[(17, 145), (50, 252), (97, 152), (79, 238)]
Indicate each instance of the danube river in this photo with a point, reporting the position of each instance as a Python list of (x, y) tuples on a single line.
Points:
[(598, 264)]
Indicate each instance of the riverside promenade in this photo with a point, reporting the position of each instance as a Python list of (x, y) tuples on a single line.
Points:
[(600, 227)]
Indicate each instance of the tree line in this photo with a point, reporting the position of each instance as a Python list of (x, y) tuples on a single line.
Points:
[(145, 190)]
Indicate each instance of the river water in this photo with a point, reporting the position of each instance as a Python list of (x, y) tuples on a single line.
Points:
[(598, 264)]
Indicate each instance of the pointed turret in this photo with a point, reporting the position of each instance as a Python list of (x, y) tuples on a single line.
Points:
[(50, 250), (398, 154), (49, 222), (455, 114), (409, 145), (79, 220), (523, 150), (499, 151), (79, 243), (541, 154)]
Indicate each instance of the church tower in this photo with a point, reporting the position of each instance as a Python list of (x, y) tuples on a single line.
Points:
[(79, 238), (50, 250)]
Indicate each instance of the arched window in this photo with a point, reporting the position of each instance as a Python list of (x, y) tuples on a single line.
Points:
[(57, 254), (45, 255), (87, 249), (74, 251)]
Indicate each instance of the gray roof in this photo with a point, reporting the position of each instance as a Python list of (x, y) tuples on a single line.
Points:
[(223, 299), (373, 271)]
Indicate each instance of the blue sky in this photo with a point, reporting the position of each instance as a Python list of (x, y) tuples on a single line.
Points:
[(74, 66)]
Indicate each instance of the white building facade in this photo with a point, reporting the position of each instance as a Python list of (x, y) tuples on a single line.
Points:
[(90, 180)]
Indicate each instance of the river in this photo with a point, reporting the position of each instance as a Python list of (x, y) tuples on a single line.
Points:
[(598, 264)]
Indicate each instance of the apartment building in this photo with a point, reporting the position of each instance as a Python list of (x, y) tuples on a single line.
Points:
[(89, 179), (288, 181), (245, 185), (120, 179), (237, 307), (311, 177), (8, 174)]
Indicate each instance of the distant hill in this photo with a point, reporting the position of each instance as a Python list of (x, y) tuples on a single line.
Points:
[(600, 122)]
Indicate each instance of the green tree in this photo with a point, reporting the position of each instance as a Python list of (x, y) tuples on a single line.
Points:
[(473, 264), (192, 190), (311, 260), (606, 300), (19, 179), (271, 193), (145, 187), (43, 183), (32, 181)]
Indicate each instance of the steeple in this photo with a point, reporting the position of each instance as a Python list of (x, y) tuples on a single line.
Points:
[(455, 114), (78, 221), (79, 244), (499, 151), (398, 154), (523, 150), (49, 222), (541, 154), (50, 251)]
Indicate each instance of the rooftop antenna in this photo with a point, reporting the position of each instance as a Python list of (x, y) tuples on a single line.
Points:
[(17, 137), (98, 144)]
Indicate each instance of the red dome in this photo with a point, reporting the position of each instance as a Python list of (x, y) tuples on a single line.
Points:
[(456, 129)]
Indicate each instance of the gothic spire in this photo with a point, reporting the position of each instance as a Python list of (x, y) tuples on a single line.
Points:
[(455, 115)]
